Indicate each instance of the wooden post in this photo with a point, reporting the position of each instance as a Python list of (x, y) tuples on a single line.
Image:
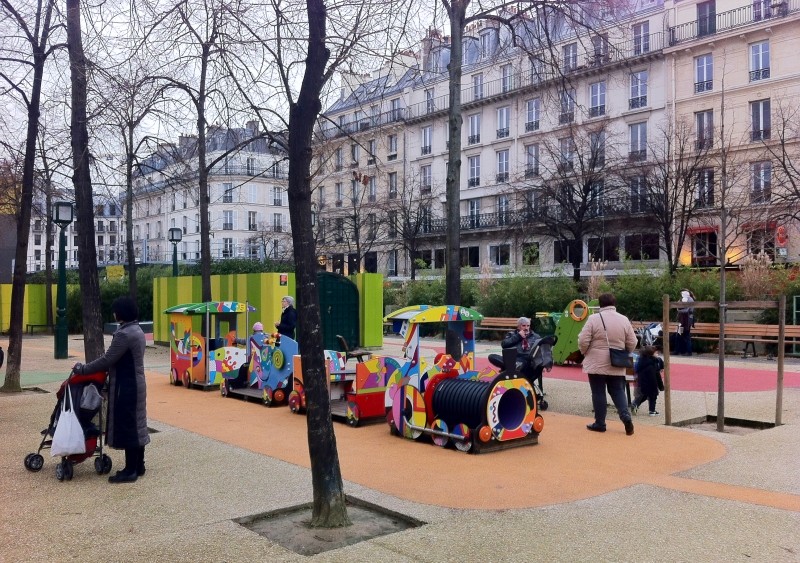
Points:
[(781, 351), (665, 342)]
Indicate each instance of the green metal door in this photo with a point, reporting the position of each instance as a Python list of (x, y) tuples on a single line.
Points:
[(338, 302)]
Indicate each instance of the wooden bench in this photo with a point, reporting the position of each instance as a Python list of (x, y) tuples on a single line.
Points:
[(31, 327), (497, 323), (749, 333)]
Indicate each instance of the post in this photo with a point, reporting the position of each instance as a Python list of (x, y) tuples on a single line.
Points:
[(781, 353), (174, 259), (666, 352), (61, 299)]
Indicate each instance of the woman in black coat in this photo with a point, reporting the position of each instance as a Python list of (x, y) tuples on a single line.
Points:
[(126, 424), (288, 320)]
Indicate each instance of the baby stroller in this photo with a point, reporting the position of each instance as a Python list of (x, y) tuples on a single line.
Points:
[(88, 402), (541, 359), (650, 335)]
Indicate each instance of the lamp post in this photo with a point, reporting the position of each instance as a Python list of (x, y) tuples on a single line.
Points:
[(62, 216), (175, 236)]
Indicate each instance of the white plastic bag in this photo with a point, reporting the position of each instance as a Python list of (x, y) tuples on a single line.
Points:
[(68, 438)]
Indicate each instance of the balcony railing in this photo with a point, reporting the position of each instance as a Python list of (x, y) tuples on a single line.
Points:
[(328, 130), (473, 182), (638, 102), (532, 126), (704, 86), (566, 117), (610, 207), (502, 133), (725, 21), (597, 111), (233, 170), (637, 156), (760, 74), (502, 177), (531, 171), (704, 144), (761, 196), (426, 149), (761, 135), (473, 139), (550, 70)]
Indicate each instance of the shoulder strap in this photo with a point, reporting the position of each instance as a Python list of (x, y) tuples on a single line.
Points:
[(604, 328)]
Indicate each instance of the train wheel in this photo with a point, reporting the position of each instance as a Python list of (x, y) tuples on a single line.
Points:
[(294, 402), (353, 414), (266, 396), (440, 426), (173, 376), (279, 395), (463, 444), (484, 434), (223, 388), (538, 424), (187, 379)]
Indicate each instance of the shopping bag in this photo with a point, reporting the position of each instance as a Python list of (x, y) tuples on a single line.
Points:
[(68, 438)]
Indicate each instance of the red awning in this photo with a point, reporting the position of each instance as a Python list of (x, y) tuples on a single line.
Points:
[(701, 229)]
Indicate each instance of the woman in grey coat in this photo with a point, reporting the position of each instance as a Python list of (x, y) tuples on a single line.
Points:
[(126, 425)]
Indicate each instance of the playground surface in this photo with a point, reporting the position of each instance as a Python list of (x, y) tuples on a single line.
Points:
[(664, 494)]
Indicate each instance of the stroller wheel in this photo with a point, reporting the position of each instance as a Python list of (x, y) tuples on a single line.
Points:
[(107, 464), (67, 470), (543, 405), (60, 471), (33, 462)]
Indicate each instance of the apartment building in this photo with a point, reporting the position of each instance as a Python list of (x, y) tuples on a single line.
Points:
[(248, 205), (557, 143), (735, 78)]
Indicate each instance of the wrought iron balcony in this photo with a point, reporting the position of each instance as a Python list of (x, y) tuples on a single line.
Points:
[(761, 135), (704, 143), (597, 111), (531, 172), (502, 177), (638, 102), (532, 126), (704, 86), (637, 156), (426, 149), (566, 117), (502, 133), (760, 74), (732, 19), (473, 139), (473, 182)]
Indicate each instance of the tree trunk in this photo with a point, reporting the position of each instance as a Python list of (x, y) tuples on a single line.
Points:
[(12, 379), (330, 510), (87, 255), (129, 156), (457, 14), (205, 226), (48, 251)]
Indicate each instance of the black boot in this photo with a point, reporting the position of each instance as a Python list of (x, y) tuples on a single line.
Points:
[(140, 468)]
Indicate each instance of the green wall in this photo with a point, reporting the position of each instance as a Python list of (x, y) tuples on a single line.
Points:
[(34, 306)]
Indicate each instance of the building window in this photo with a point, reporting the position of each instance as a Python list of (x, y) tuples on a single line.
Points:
[(531, 160), (227, 192), (426, 218), (762, 9), (474, 211), (706, 18), (392, 185), (502, 166), (759, 61), (705, 188), (373, 149), (427, 139), (537, 70), (761, 120), (392, 155), (641, 38), (597, 99), (470, 257), (569, 57), (251, 166), (597, 149), (429, 104), (604, 249), (597, 198), (426, 182), (339, 159), (503, 206), (321, 198), (638, 97), (354, 192), (372, 226), (704, 73), (395, 109), (227, 248), (507, 78), (196, 223), (339, 187), (392, 232), (252, 220), (533, 109), (277, 196), (503, 120), (762, 182), (338, 235), (600, 49), (566, 147), (474, 129), (704, 126), (567, 99), (474, 171), (530, 253), (500, 255), (704, 249), (638, 136), (487, 44), (761, 241), (227, 220), (642, 246), (391, 263), (355, 152), (372, 189), (563, 250), (477, 86)]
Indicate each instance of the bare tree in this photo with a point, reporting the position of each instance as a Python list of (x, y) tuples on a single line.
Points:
[(26, 49), (675, 185)]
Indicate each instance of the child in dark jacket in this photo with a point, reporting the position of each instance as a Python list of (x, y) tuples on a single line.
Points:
[(648, 371)]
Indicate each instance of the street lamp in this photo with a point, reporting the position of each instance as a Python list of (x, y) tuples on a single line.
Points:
[(62, 216), (175, 236)]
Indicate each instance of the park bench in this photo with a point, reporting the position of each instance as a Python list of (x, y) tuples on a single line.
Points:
[(497, 323), (749, 333), (30, 327)]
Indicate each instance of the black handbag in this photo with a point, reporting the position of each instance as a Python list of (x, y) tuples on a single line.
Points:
[(619, 358)]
